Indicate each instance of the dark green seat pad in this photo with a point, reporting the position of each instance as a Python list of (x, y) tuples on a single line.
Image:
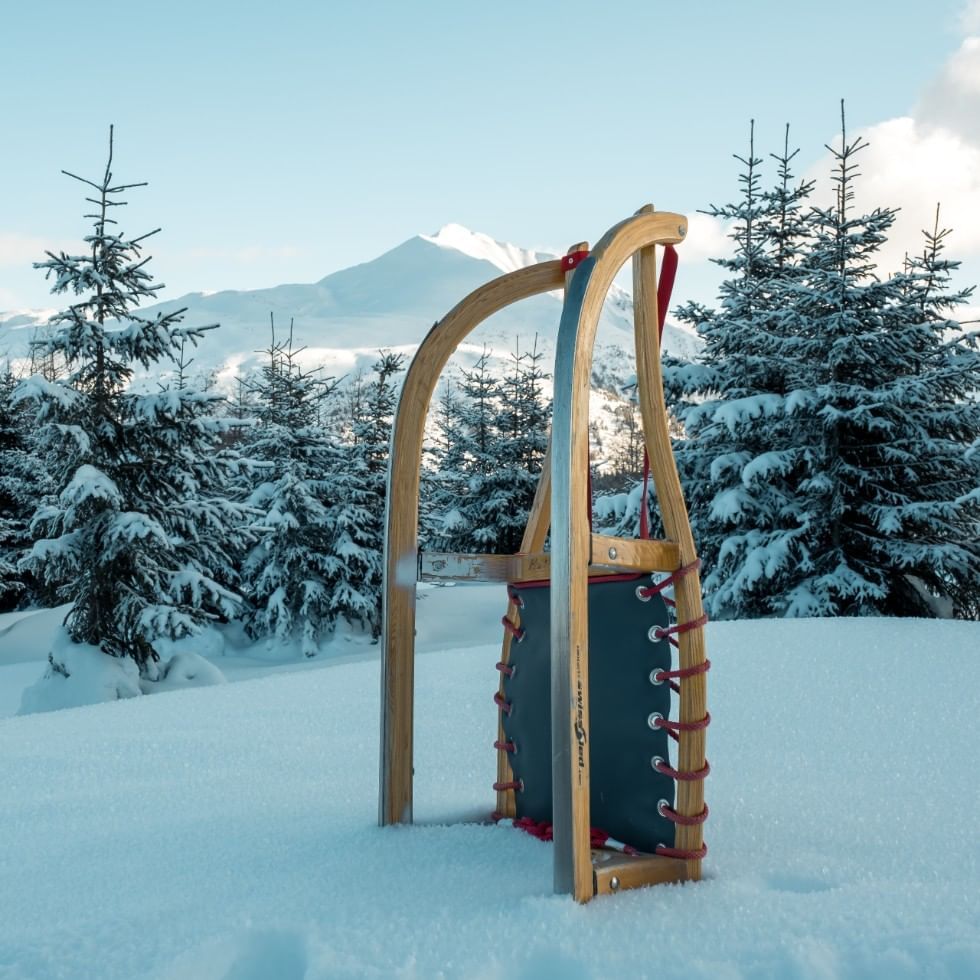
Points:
[(625, 788)]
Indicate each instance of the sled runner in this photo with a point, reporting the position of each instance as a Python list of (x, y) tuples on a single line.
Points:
[(586, 673)]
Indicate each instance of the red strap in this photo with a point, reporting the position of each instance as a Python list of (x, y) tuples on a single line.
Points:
[(668, 271), (570, 261)]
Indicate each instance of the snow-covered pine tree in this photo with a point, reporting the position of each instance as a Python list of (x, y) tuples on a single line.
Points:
[(880, 489), (444, 477), (127, 535), (20, 481), (288, 574), (925, 506), (479, 391), (359, 493), (506, 435), (732, 403)]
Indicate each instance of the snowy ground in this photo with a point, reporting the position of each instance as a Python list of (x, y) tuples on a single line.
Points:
[(229, 832)]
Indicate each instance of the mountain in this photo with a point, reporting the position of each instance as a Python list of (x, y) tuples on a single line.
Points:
[(389, 302)]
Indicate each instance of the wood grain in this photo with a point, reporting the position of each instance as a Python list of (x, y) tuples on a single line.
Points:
[(571, 539), (401, 520), (687, 592), (616, 872)]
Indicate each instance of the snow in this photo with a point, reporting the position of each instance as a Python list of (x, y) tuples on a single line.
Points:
[(506, 257), (230, 831)]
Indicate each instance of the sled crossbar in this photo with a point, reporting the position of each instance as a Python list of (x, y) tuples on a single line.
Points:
[(608, 553)]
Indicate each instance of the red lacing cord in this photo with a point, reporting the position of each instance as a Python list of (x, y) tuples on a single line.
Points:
[(515, 784), (669, 813), (507, 669), (659, 676), (657, 720), (542, 830), (674, 576), (676, 852), (505, 706), (679, 774), (515, 631), (508, 746), (668, 632)]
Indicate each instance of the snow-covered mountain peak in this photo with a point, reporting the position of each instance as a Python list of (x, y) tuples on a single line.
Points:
[(477, 245)]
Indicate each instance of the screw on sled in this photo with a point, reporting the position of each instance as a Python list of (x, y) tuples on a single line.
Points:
[(592, 620)]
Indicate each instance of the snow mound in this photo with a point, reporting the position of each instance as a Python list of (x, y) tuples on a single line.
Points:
[(80, 674), (184, 669)]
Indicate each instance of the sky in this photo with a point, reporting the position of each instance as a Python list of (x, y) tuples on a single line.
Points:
[(284, 141)]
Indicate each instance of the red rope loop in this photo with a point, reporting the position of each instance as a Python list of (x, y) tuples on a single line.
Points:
[(657, 720), (676, 852), (659, 676), (507, 669), (669, 813), (508, 746), (675, 576), (684, 776), (505, 706), (515, 784), (668, 632), (515, 597), (515, 631)]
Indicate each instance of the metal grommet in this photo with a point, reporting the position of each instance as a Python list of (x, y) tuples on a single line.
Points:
[(614, 884), (641, 594), (653, 718), (661, 805), (513, 747), (520, 788), (652, 634), (655, 679), (513, 670), (519, 636), (657, 760)]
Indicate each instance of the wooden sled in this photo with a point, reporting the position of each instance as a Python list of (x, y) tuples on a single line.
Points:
[(576, 556)]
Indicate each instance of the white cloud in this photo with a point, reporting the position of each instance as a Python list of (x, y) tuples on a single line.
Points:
[(970, 17), (952, 100), (707, 238), (931, 156)]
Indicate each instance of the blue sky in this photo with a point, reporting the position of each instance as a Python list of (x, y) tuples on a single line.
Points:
[(284, 141)]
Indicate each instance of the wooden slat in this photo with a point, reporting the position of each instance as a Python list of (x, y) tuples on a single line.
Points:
[(444, 566), (687, 592), (615, 873), (571, 539), (401, 539), (635, 554)]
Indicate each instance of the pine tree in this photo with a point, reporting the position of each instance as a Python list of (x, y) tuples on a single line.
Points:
[(444, 477), (359, 493), (289, 573), (733, 402), (839, 481), (21, 479), (127, 535), (505, 427)]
